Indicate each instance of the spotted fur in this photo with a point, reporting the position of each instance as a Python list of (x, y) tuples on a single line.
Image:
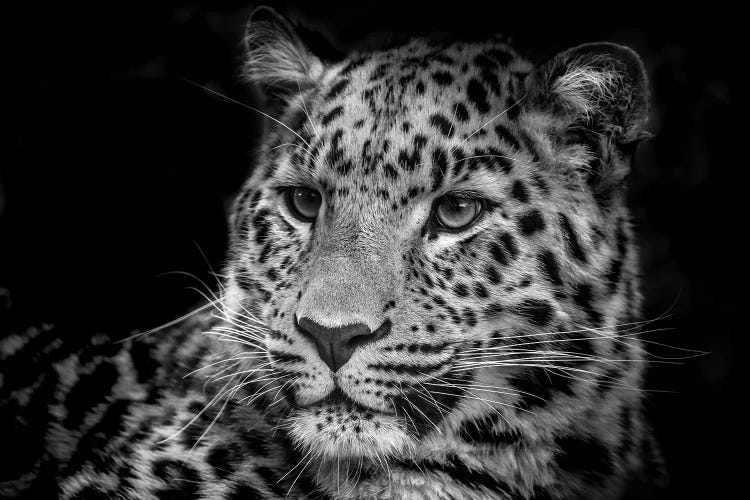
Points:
[(506, 361)]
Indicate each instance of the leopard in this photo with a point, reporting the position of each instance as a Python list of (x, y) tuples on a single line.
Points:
[(431, 291)]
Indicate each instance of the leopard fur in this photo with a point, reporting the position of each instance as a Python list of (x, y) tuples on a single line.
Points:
[(506, 361)]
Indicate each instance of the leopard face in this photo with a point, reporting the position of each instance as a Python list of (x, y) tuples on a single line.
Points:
[(435, 237)]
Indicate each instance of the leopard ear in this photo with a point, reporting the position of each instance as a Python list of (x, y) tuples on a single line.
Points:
[(601, 87), (277, 58)]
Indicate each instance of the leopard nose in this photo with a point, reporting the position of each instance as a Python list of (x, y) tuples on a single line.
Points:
[(336, 345)]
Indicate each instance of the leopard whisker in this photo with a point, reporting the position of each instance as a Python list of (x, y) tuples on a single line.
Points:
[(213, 376), (395, 412), (434, 401), (508, 391), (519, 101), (487, 402), (487, 156), (230, 339), (197, 415), (241, 333), (310, 451), (252, 371), (168, 324), (600, 335), (248, 107), (304, 108), (563, 370), (282, 145), (250, 399), (437, 429), (210, 365), (299, 475), (208, 294), (473, 396), (537, 354), (567, 357), (223, 331), (210, 426), (491, 390), (453, 122), (236, 319), (225, 335), (244, 313), (276, 398)]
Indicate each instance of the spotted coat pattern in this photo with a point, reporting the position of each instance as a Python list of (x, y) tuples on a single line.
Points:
[(509, 364)]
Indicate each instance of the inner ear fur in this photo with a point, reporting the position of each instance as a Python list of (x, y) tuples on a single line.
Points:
[(278, 56), (601, 87)]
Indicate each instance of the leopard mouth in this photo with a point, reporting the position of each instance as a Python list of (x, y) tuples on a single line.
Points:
[(417, 416), (338, 427), (338, 397)]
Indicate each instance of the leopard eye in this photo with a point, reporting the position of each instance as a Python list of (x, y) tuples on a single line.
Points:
[(303, 203), (455, 213)]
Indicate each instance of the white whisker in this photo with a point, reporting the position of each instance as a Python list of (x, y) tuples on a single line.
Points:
[(495, 117), (248, 107)]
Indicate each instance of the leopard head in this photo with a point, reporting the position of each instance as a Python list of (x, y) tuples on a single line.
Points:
[(435, 238)]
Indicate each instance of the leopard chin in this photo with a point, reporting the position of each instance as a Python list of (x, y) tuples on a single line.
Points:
[(334, 429)]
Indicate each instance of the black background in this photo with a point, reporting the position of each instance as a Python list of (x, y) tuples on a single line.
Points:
[(115, 173)]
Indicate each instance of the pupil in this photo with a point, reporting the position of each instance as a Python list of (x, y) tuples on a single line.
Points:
[(457, 212), (307, 201), (459, 205)]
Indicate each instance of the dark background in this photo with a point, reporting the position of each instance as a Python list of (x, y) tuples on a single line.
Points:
[(115, 173)]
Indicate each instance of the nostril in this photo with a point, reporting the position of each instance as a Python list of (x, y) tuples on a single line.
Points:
[(383, 330), (360, 340)]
